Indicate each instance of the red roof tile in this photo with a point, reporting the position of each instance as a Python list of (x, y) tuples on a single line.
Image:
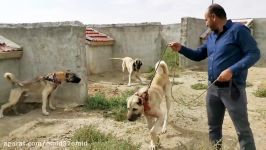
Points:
[(6, 48), (95, 37), (9, 49)]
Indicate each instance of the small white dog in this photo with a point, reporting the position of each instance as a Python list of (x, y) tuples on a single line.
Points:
[(132, 66), (147, 101)]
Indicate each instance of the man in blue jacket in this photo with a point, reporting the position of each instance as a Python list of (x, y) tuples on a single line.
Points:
[(231, 50)]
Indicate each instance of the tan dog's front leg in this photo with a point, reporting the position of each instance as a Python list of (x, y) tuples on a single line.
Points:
[(50, 100), (150, 121), (129, 79), (123, 69), (155, 141), (45, 94)]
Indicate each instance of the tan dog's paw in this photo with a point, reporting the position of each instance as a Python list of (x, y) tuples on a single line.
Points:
[(45, 113), (128, 84), (52, 107), (1, 116), (152, 147), (164, 130)]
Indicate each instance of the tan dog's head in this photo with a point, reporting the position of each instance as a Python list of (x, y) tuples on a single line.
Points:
[(135, 105), (61, 76), (72, 77), (137, 64)]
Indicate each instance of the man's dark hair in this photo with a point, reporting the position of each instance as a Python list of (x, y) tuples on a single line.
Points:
[(218, 10)]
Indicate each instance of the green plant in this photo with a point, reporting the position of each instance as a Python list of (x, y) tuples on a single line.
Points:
[(199, 86), (116, 105), (96, 140), (171, 58), (260, 92), (98, 101)]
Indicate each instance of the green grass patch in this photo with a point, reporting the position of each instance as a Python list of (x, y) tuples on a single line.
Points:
[(171, 58), (95, 140), (116, 107), (199, 86), (260, 92)]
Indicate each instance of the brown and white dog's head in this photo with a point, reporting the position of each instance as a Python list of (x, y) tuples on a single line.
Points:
[(137, 64), (72, 77), (62, 76), (135, 104)]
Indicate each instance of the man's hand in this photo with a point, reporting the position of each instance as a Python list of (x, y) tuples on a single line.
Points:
[(226, 75), (175, 46)]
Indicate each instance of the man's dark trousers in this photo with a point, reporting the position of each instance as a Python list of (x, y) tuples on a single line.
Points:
[(220, 98)]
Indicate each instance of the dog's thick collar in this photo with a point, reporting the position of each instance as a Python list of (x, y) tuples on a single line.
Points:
[(56, 77), (146, 106)]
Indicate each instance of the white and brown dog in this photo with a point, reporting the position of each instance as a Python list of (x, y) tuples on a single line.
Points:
[(44, 85), (147, 101), (133, 66)]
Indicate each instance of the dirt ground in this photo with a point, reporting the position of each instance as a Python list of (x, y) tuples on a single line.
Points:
[(187, 125)]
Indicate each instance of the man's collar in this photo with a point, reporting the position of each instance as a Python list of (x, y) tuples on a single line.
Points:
[(228, 24)]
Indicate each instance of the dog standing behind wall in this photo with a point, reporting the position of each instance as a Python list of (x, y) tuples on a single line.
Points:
[(147, 101), (44, 84), (132, 66)]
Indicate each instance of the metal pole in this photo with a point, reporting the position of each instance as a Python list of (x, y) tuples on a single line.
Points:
[(212, 1)]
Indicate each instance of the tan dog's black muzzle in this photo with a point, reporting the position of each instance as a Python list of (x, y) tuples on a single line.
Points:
[(73, 78), (133, 117)]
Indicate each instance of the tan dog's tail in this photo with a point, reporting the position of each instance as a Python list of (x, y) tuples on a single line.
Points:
[(11, 77), (162, 69)]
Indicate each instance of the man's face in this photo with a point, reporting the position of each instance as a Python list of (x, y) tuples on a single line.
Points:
[(210, 20)]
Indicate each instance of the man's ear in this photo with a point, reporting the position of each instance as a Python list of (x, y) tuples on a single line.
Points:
[(213, 16)]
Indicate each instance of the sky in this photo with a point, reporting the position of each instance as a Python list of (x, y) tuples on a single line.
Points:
[(122, 11)]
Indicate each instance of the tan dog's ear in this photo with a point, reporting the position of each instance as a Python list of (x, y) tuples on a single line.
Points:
[(143, 97)]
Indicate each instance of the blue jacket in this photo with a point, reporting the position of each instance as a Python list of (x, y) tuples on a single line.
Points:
[(233, 48)]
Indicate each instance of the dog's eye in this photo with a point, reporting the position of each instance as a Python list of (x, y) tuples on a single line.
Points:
[(134, 109)]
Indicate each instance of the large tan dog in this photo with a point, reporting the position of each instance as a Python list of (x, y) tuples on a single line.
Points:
[(147, 101), (44, 85), (132, 66)]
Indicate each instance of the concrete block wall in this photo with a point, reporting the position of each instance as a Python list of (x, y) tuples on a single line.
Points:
[(191, 29), (142, 41), (49, 47), (98, 59), (7, 65), (171, 32), (259, 33)]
